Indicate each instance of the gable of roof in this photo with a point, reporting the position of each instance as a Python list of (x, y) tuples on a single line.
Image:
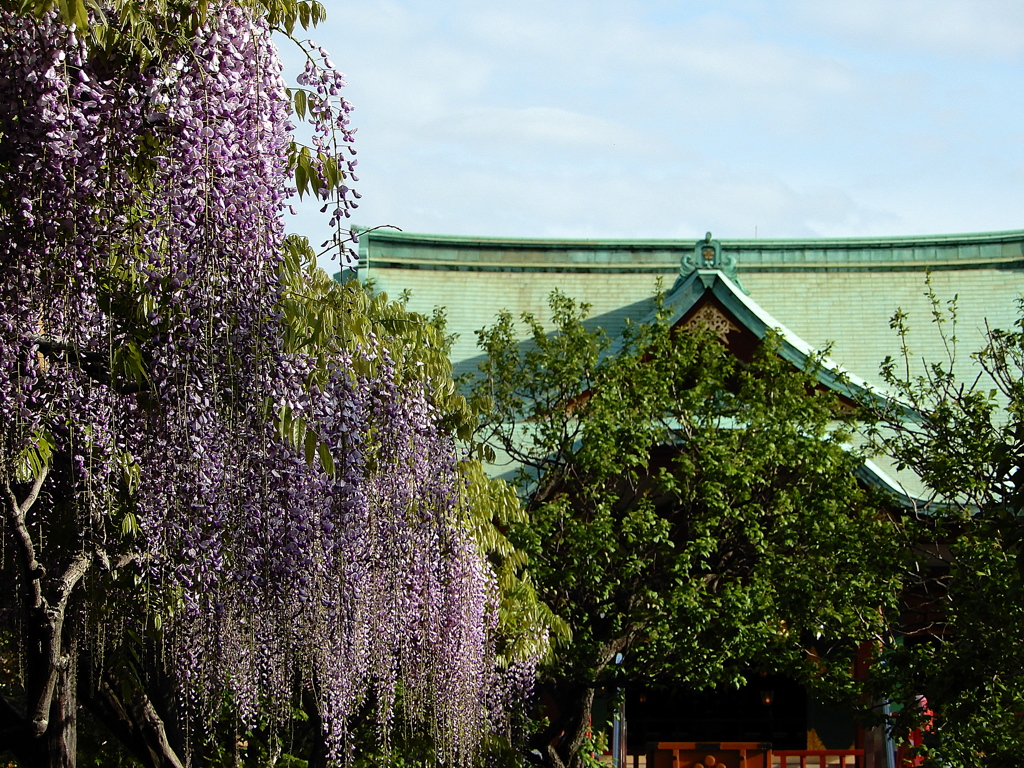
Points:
[(741, 324)]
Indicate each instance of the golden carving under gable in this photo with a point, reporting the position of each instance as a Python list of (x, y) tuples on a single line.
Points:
[(710, 317)]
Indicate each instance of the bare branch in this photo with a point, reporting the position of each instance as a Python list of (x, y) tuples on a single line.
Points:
[(72, 575), (33, 494), (32, 571)]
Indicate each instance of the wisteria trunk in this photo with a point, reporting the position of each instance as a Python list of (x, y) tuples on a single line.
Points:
[(44, 735), (62, 741), (53, 742)]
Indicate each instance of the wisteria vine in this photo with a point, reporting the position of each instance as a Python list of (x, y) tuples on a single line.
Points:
[(141, 366)]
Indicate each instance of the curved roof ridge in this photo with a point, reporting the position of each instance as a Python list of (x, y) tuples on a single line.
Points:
[(583, 242), (898, 253)]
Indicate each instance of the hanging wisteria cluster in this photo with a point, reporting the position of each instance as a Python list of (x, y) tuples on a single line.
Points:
[(332, 161), (140, 358)]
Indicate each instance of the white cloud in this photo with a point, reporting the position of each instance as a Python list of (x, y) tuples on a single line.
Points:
[(550, 127), (710, 50), (953, 28), (662, 119), (747, 63), (618, 202), (424, 84)]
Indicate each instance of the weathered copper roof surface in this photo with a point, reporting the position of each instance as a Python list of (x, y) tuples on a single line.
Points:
[(838, 291)]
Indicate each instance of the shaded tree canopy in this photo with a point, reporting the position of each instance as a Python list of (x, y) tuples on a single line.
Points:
[(961, 647), (692, 517)]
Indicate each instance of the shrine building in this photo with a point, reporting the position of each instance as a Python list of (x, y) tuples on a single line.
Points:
[(837, 295)]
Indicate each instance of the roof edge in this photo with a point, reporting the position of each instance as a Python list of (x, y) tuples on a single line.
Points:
[(817, 243)]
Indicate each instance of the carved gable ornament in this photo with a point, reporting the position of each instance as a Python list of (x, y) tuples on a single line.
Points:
[(711, 317), (708, 254)]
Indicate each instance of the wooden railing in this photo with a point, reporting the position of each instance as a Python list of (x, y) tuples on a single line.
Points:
[(818, 758)]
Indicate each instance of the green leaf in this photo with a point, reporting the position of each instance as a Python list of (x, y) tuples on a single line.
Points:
[(326, 459), (301, 175), (74, 14), (130, 525), (311, 445)]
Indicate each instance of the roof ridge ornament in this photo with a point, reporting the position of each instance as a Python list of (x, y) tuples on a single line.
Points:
[(708, 254)]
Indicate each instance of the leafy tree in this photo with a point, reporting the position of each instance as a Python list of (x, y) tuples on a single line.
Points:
[(967, 446), (692, 516)]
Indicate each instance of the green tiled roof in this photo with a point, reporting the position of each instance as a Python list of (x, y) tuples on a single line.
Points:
[(838, 291)]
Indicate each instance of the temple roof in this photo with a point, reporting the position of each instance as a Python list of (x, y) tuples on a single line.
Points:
[(708, 297), (838, 294)]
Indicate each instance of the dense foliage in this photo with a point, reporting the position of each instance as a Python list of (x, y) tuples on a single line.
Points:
[(693, 517), (963, 630), (224, 479)]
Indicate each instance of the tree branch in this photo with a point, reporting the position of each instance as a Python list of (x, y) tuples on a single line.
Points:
[(74, 573), (33, 494), (136, 724), (16, 513)]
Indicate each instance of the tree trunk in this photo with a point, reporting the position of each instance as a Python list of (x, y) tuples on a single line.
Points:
[(50, 741), (45, 735), (318, 754), (576, 728), (572, 703), (559, 744), (62, 735)]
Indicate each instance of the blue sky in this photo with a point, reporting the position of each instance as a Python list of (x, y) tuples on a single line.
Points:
[(610, 118)]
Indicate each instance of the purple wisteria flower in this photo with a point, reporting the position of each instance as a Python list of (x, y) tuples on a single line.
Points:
[(141, 339)]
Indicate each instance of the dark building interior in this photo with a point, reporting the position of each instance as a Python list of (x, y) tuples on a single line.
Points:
[(769, 709)]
